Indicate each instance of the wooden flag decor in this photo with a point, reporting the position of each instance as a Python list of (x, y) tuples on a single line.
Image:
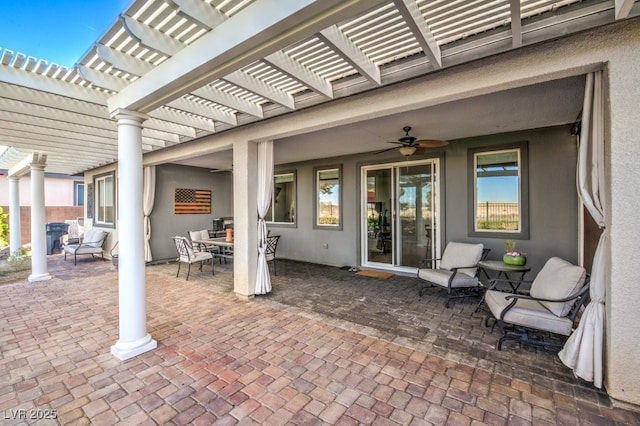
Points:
[(192, 201)]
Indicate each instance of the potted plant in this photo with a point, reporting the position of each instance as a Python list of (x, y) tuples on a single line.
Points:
[(513, 257)]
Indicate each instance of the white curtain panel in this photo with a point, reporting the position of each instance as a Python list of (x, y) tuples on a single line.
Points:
[(265, 183), (148, 198), (584, 350)]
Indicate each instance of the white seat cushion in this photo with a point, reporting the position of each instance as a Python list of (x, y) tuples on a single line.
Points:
[(441, 278), (527, 313), (558, 279), (81, 249), (94, 237), (197, 256), (457, 255), (199, 236)]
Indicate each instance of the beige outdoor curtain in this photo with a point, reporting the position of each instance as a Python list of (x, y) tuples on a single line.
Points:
[(584, 349), (148, 198), (265, 182)]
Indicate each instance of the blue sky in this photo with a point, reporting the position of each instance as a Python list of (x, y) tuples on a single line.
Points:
[(59, 31)]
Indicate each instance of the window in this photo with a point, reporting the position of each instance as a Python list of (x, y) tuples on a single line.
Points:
[(105, 199), (78, 194), (499, 189), (328, 198), (283, 199)]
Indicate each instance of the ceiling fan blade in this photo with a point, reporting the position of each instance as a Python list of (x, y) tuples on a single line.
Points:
[(384, 150), (220, 170), (430, 143)]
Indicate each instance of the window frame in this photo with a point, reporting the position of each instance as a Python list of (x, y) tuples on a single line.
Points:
[(523, 188), (78, 201), (316, 198), (271, 220), (97, 204)]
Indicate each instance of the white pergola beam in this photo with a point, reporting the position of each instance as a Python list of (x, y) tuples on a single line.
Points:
[(252, 84), (122, 61), (516, 23), (101, 79), (623, 7), (351, 53), (197, 122), (72, 139), (203, 110), (47, 84), (253, 33), (24, 166), (421, 31), (198, 11), (65, 120), (51, 100), (296, 70), (151, 38), (169, 127), (223, 98)]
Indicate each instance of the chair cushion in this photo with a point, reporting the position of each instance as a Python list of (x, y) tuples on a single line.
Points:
[(82, 249), (94, 237), (199, 235), (558, 279), (527, 313), (441, 278), (196, 257), (461, 254)]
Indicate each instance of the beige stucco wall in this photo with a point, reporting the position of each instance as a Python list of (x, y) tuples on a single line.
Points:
[(623, 330), (57, 191), (613, 48)]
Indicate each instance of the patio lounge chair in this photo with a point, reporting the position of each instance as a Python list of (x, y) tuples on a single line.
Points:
[(186, 254), (270, 252), (556, 296), (457, 272), (92, 243)]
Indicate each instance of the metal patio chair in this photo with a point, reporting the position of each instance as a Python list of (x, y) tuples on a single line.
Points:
[(457, 272), (186, 254), (270, 252), (555, 298)]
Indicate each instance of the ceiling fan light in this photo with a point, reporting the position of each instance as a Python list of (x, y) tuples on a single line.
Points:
[(407, 150)]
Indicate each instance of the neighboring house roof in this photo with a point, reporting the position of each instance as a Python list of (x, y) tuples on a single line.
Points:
[(198, 68)]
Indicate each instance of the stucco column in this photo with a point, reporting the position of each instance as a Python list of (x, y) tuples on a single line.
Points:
[(15, 234), (622, 377), (245, 218), (134, 338), (38, 217)]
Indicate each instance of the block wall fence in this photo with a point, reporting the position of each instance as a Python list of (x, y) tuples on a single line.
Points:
[(52, 214)]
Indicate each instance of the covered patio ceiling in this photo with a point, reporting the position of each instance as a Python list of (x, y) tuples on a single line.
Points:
[(198, 68)]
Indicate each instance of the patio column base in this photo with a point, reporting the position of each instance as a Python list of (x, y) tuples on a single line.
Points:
[(39, 277), (244, 297), (124, 351)]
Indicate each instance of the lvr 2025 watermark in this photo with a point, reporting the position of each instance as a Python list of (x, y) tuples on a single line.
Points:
[(30, 414)]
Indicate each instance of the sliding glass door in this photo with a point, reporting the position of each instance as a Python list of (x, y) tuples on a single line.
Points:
[(400, 208)]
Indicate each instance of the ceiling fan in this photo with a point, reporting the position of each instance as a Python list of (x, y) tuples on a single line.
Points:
[(410, 144)]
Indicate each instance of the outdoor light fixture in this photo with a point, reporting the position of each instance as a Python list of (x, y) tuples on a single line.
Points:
[(407, 150)]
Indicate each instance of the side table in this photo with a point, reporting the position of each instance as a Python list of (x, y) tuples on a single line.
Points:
[(503, 271)]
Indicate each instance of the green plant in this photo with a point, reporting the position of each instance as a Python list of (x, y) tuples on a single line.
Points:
[(510, 248), (4, 228), (19, 260)]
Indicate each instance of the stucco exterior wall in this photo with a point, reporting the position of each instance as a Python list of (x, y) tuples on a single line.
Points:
[(623, 331), (554, 214), (57, 191), (165, 224)]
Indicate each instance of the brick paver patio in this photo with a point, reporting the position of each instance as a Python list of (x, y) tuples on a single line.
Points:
[(326, 347)]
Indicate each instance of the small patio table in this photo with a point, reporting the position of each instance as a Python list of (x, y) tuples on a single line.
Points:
[(503, 272)]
